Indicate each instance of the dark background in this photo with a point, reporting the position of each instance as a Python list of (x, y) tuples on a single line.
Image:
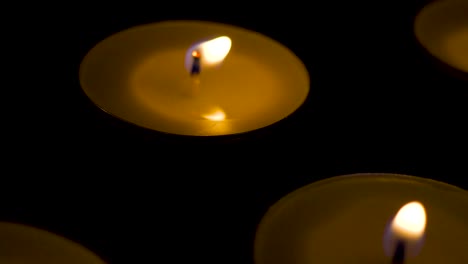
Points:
[(377, 103)]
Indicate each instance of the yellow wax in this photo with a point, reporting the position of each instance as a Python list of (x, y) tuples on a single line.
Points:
[(442, 29), (21, 244), (138, 75), (342, 220)]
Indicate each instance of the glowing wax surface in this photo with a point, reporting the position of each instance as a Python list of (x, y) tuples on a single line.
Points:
[(27, 245), (342, 220), (139, 75)]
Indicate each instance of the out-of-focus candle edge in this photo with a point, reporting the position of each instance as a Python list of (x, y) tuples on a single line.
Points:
[(382, 177), (420, 19), (80, 249)]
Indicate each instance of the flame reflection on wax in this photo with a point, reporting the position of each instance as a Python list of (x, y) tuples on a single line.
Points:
[(217, 115)]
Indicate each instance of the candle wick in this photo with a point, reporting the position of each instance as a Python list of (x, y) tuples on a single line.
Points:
[(196, 67), (195, 85), (399, 255)]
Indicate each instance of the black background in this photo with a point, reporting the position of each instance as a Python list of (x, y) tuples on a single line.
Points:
[(377, 103)]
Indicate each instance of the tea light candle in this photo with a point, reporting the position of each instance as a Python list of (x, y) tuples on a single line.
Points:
[(194, 78), (21, 244), (442, 29), (346, 219)]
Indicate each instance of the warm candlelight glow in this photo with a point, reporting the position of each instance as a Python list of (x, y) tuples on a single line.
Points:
[(196, 54), (217, 115), (215, 50), (186, 78), (210, 53), (408, 226), (410, 221)]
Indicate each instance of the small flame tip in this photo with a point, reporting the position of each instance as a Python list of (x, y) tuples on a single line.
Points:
[(196, 54)]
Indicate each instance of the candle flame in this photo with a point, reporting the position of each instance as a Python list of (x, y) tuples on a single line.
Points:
[(210, 53), (410, 221), (214, 51), (217, 115), (196, 54), (408, 226)]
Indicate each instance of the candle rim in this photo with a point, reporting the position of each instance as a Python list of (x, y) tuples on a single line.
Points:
[(434, 183), (190, 22), (43, 233), (368, 175)]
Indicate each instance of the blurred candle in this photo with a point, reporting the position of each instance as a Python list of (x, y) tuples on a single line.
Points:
[(345, 219), (21, 244), (442, 29), (194, 78)]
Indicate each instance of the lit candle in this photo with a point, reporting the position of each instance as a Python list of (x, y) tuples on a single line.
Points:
[(194, 78), (442, 29), (21, 244), (346, 220)]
